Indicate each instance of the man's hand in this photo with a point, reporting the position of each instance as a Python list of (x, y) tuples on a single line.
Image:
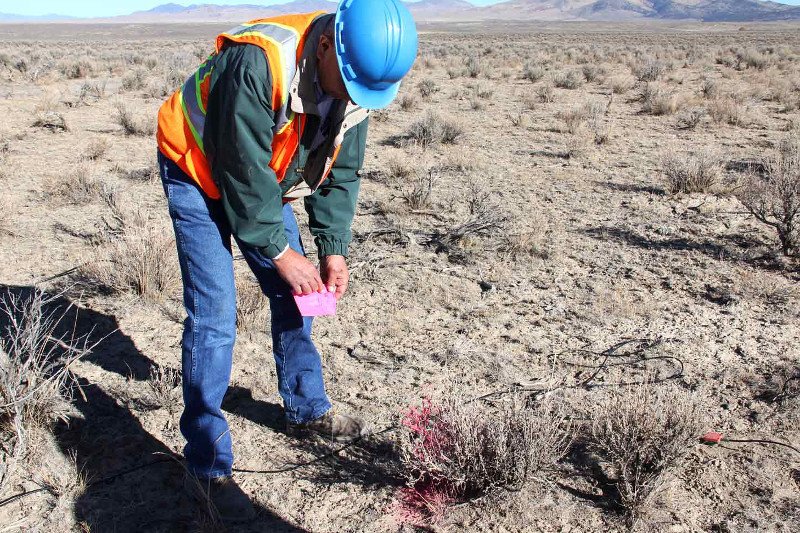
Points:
[(335, 274), (301, 275)]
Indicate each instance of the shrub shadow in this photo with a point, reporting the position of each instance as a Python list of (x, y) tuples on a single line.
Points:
[(632, 188), (734, 247), (372, 461), (585, 464), (110, 444)]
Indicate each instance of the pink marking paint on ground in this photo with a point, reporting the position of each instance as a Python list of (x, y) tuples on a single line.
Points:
[(316, 304)]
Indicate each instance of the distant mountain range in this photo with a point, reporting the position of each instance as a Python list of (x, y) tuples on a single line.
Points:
[(461, 10)]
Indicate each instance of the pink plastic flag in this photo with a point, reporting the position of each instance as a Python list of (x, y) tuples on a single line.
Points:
[(316, 303)]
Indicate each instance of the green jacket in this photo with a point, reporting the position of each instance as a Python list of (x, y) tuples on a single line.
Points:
[(238, 141)]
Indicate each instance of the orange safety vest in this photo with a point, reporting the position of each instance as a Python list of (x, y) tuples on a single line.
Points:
[(181, 120)]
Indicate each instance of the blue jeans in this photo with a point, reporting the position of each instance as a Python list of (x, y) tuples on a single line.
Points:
[(203, 238)]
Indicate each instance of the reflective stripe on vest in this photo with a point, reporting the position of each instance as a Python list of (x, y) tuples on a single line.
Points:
[(192, 101)]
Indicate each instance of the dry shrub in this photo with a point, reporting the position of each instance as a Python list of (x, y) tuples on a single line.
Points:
[(96, 149), (476, 105), (148, 174), (686, 173), (709, 88), (399, 168), (546, 94), (407, 102), (252, 307), (622, 84), (78, 187), (138, 256), (642, 433), (689, 119), (417, 190), (133, 125), (519, 119), (577, 145), (593, 73), (164, 388), (432, 129), (460, 450), (751, 59), (134, 80), (649, 71), (474, 67), (427, 87), (773, 197), (95, 90), (80, 68), (533, 72), (36, 352), (658, 100), (50, 120), (570, 80), (573, 119), (726, 110)]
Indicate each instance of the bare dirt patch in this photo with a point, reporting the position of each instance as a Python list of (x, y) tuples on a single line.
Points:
[(516, 256)]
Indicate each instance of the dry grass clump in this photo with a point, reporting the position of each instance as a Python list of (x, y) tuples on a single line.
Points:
[(459, 450), (36, 353), (574, 118), (709, 88), (432, 129), (252, 307), (137, 256), (77, 187), (773, 197), (164, 388), (133, 125), (685, 173), (642, 434)]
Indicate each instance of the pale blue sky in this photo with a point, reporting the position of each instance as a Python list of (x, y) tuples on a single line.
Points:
[(104, 8)]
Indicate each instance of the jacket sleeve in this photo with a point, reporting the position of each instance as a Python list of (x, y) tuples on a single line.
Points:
[(332, 207), (238, 141)]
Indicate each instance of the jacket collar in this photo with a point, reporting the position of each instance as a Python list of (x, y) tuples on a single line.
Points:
[(302, 97)]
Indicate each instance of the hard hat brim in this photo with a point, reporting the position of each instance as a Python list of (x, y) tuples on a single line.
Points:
[(369, 98)]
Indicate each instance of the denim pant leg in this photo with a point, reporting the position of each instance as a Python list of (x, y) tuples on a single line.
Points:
[(203, 240), (298, 363)]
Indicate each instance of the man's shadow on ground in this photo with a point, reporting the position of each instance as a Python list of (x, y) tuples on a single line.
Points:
[(107, 439)]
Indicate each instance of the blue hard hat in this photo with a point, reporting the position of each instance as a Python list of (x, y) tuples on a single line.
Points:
[(376, 45)]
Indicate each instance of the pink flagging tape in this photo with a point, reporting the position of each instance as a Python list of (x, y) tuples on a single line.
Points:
[(316, 304)]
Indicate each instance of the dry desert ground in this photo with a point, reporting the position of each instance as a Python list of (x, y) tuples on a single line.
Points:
[(553, 219)]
